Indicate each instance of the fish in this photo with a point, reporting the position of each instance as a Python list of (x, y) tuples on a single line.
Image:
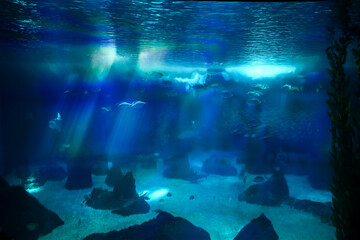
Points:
[(254, 93), (135, 104), (123, 104), (83, 93), (290, 88), (106, 109), (55, 124), (156, 75), (63, 147), (260, 86), (286, 86)]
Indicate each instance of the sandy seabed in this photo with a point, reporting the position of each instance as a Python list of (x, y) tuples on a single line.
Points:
[(214, 208)]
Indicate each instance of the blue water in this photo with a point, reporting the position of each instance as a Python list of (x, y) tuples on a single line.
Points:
[(248, 79)]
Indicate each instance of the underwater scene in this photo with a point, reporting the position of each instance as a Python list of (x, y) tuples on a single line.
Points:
[(130, 119)]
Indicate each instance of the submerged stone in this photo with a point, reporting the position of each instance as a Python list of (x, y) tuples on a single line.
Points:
[(22, 216), (272, 192), (164, 226), (259, 228)]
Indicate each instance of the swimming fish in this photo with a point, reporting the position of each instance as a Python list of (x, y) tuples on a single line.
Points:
[(84, 92), (254, 93), (137, 104), (156, 75), (63, 147), (290, 88), (260, 86), (55, 124), (106, 109)]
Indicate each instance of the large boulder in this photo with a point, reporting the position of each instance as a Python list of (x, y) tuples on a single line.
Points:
[(22, 216), (163, 227), (318, 209), (114, 174), (125, 187), (259, 228), (122, 200), (272, 192)]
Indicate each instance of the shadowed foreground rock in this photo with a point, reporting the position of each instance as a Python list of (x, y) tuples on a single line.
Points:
[(318, 209), (22, 216), (163, 227), (258, 229)]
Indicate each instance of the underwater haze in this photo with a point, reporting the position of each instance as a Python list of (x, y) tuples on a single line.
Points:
[(117, 113)]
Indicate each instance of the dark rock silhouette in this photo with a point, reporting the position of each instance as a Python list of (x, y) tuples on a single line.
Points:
[(22, 216), (122, 200), (318, 209), (114, 175), (259, 228), (163, 227), (272, 192)]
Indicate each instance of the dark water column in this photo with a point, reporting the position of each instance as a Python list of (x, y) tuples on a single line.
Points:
[(15, 128)]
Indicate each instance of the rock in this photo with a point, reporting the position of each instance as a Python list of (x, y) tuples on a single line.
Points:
[(122, 200), (100, 168), (219, 167), (164, 226), (22, 216), (259, 228), (114, 175), (272, 192), (139, 206), (79, 175), (318, 209), (125, 187)]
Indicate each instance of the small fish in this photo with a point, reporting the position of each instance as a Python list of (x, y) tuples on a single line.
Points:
[(123, 104), (290, 88), (63, 147), (55, 124), (286, 86), (106, 109), (254, 93), (156, 75), (260, 86), (137, 104), (72, 92), (296, 89)]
